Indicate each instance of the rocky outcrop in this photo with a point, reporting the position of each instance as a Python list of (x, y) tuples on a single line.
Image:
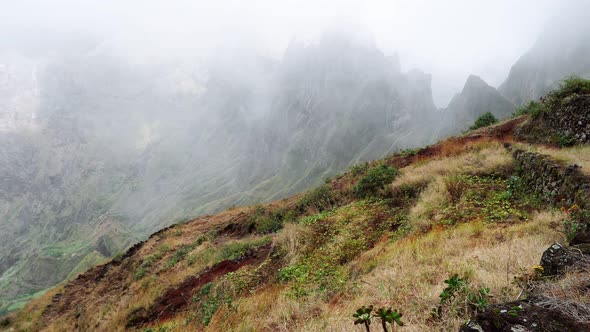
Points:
[(561, 51), (522, 316), (567, 124), (552, 181), (557, 259)]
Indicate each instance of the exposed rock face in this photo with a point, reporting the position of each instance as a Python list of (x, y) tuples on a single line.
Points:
[(553, 182), (522, 316), (557, 259), (571, 121), (476, 99), (562, 51)]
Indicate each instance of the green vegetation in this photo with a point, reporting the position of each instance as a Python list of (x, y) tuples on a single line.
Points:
[(321, 198), (385, 315), (363, 316), (534, 108), (460, 298), (270, 221), (359, 169), (486, 119), (389, 316), (575, 221), (482, 197), (374, 180), (237, 249), (565, 141), (567, 88)]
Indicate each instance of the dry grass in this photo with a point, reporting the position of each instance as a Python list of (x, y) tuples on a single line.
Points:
[(407, 274), (579, 155), (482, 158), (410, 273)]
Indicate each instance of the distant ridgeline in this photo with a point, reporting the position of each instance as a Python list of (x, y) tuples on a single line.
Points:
[(96, 154)]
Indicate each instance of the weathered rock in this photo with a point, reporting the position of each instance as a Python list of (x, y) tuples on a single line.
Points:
[(558, 258), (522, 316), (553, 182), (570, 122)]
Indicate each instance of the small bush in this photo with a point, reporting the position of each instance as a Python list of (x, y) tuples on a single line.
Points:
[(359, 169), (486, 119), (534, 108), (321, 198), (460, 298), (566, 141), (235, 250), (270, 221), (375, 179), (570, 86)]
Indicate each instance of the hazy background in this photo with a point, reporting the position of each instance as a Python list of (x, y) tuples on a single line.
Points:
[(119, 118), (449, 39)]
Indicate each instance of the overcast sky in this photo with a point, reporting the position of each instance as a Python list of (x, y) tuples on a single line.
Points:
[(449, 39)]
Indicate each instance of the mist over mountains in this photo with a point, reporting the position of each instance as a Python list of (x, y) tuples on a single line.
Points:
[(97, 152)]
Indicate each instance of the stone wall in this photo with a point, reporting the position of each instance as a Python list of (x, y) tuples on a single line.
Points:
[(569, 123), (553, 181)]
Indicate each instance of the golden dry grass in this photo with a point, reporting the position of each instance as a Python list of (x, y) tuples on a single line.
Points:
[(481, 158), (406, 273), (579, 155)]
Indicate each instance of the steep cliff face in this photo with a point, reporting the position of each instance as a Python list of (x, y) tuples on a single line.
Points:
[(335, 103), (476, 98), (562, 50)]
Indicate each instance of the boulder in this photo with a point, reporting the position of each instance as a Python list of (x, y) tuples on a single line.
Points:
[(521, 316), (558, 258)]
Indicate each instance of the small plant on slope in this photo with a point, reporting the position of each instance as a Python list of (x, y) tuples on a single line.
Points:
[(375, 179), (459, 298), (363, 316), (389, 316), (486, 119)]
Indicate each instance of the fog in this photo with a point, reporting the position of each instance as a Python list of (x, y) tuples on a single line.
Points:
[(449, 39), (118, 118)]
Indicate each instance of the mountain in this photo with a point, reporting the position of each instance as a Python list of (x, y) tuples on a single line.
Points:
[(467, 234), (476, 98), (99, 151), (562, 50)]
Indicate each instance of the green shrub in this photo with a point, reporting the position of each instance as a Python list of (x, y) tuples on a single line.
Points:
[(359, 169), (375, 179), (460, 298), (566, 141), (572, 85), (270, 221), (321, 198), (363, 316), (486, 119), (180, 254), (235, 250), (534, 108)]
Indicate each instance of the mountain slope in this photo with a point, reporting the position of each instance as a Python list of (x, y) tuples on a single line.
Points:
[(91, 137), (483, 206), (476, 98)]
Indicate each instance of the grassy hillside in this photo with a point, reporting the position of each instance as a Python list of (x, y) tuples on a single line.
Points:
[(438, 234)]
